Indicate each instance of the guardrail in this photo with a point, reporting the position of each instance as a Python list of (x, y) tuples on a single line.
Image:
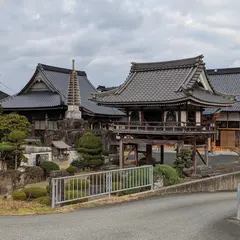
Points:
[(83, 187)]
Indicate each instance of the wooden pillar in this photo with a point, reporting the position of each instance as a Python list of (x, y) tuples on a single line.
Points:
[(149, 154), (46, 121), (121, 154), (141, 116), (206, 151), (162, 154), (177, 150), (136, 155), (194, 157)]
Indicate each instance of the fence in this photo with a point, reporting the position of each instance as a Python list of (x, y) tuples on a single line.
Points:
[(83, 187)]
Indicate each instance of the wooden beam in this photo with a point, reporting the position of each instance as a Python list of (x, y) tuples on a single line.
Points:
[(152, 141), (121, 154)]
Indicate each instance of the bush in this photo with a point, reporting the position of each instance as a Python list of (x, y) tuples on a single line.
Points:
[(35, 192), (116, 186), (19, 195), (77, 184), (48, 166), (91, 149), (79, 164), (43, 200), (48, 189), (33, 175), (170, 174), (183, 160), (72, 169), (75, 194)]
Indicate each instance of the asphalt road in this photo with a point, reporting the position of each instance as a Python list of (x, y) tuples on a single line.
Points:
[(169, 158), (188, 217)]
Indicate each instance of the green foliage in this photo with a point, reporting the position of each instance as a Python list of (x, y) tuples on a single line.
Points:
[(170, 174), (33, 174), (13, 122), (35, 192), (77, 184), (75, 194), (79, 164), (116, 186), (43, 200), (48, 167), (48, 189), (19, 195), (14, 128), (91, 149), (183, 160), (90, 141), (72, 169)]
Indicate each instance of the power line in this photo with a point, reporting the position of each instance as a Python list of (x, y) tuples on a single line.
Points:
[(8, 87)]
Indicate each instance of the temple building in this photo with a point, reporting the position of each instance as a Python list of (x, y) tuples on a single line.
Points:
[(164, 104), (226, 81), (55, 93)]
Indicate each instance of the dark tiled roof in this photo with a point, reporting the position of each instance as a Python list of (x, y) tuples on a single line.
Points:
[(3, 95), (163, 82), (227, 81), (201, 94), (57, 80), (32, 100)]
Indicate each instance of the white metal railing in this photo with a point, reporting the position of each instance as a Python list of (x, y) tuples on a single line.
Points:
[(86, 186)]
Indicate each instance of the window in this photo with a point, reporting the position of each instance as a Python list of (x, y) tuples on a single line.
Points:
[(233, 124)]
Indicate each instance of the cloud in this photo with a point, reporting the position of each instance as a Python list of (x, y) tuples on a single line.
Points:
[(106, 36)]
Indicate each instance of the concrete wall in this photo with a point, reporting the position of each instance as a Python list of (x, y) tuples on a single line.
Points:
[(226, 182)]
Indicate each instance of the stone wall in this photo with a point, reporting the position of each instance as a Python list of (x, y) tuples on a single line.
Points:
[(225, 182)]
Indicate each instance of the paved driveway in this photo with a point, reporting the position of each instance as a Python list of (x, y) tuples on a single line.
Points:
[(188, 217)]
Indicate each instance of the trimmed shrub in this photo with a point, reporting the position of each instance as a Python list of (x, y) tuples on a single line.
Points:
[(170, 174), (43, 200), (33, 174), (35, 192), (183, 161), (77, 184), (75, 194), (48, 167), (116, 186), (72, 170), (79, 164), (91, 149), (48, 189), (19, 195)]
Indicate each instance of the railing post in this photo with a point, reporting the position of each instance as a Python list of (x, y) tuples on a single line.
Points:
[(53, 193), (109, 183), (151, 177), (238, 202)]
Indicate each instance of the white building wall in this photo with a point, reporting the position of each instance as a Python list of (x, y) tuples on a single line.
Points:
[(198, 118)]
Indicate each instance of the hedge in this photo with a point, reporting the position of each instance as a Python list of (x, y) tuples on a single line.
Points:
[(75, 194), (19, 195), (35, 192), (43, 200), (48, 167), (77, 184)]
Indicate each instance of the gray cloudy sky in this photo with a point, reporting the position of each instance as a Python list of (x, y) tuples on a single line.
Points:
[(104, 36)]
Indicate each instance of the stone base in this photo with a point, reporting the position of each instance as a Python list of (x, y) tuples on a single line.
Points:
[(73, 114)]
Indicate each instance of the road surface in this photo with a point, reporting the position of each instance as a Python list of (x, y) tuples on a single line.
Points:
[(169, 158), (188, 217)]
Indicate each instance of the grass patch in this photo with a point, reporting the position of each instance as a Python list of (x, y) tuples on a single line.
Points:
[(11, 207)]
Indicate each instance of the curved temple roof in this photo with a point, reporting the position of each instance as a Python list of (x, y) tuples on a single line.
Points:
[(162, 83)]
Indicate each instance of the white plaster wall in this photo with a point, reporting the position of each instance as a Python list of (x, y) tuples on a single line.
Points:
[(222, 117), (233, 117), (32, 158), (198, 118), (183, 116)]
